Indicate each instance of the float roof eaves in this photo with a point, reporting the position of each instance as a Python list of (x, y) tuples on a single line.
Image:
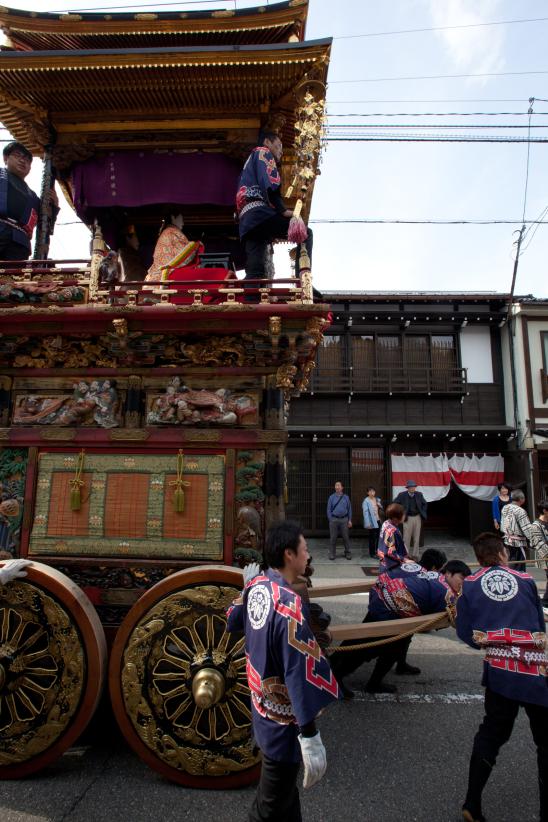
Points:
[(25, 56), (44, 30)]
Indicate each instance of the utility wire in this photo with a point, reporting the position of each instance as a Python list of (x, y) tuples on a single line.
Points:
[(337, 37), (363, 221), (440, 76), (436, 125), (428, 138), (441, 28), (437, 114), (451, 100)]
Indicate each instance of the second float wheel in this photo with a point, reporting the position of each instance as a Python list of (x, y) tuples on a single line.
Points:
[(178, 681), (52, 666)]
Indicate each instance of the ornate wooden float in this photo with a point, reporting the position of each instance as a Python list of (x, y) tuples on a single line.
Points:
[(143, 429)]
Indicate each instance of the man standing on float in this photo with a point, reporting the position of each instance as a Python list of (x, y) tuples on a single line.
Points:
[(289, 677), (262, 214), (19, 205)]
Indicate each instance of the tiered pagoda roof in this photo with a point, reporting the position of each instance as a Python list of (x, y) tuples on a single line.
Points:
[(38, 31), (182, 82)]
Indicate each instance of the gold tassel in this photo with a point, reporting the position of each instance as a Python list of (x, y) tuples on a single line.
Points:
[(76, 484), (178, 493)]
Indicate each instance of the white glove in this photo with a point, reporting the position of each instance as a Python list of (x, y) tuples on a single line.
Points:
[(250, 571), (314, 759), (13, 569)]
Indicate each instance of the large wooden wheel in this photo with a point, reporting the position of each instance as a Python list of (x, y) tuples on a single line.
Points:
[(178, 681), (52, 668)]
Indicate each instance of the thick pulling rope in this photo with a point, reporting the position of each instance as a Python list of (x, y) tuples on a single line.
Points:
[(331, 649)]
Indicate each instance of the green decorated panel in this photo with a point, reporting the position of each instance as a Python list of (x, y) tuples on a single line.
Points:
[(142, 505)]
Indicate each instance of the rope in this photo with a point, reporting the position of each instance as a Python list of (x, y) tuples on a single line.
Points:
[(332, 649)]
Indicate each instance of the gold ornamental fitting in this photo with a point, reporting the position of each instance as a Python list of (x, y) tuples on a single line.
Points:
[(208, 687), (2, 677)]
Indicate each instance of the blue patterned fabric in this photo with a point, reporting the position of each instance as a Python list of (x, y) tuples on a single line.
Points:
[(499, 610), (288, 675), (259, 184)]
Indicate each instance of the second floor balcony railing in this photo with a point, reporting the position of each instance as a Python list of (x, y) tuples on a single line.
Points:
[(414, 380)]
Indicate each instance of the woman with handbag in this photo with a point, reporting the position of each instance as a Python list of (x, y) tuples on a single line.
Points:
[(372, 513), (539, 541)]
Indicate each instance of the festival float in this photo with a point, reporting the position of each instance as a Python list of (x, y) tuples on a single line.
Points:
[(143, 422)]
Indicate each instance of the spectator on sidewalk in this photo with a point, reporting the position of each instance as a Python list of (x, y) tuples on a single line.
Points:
[(539, 542), (517, 531), (372, 512), (499, 501), (415, 507), (339, 514)]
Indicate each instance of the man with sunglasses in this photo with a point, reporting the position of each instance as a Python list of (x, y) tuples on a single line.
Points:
[(19, 205)]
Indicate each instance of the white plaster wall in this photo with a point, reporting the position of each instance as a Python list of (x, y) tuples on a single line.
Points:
[(535, 352), (475, 353)]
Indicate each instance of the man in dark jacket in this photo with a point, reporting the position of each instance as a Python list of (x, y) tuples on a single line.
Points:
[(262, 214), (499, 612), (19, 205), (415, 507)]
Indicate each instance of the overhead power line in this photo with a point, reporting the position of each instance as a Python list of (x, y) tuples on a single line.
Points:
[(446, 100), (333, 126), (365, 220), (442, 28), (437, 114), (440, 76), (429, 138)]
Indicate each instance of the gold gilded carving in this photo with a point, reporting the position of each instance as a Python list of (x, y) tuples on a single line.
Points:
[(216, 351), (133, 434), (201, 436), (271, 436), (285, 377), (61, 434), (120, 327), (4, 433), (161, 685), (315, 328), (44, 671), (275, 326)]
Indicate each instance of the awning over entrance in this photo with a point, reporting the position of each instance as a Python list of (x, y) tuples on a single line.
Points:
[(476, 475)]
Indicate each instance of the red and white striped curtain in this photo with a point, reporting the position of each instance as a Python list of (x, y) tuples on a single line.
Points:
[(477, 476)]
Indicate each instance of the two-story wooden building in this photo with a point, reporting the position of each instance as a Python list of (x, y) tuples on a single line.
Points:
[(412, 373), (525, 357)]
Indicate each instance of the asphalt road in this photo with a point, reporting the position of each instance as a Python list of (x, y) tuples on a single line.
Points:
[(396, 759)]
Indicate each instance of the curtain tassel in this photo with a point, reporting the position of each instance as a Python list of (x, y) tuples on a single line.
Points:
[(76, 484), (178, 493)]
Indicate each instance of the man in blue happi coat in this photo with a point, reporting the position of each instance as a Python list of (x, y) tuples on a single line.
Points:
[(499, 611), (262, 213), (406, 589), (19, 205), (289, 677)]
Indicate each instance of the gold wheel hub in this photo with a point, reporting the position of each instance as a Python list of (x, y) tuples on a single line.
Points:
[(208, 687)]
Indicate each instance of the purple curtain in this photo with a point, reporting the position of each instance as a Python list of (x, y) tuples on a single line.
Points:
[(140, 178)]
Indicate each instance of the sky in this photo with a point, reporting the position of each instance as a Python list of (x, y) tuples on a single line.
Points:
[(393, 181)]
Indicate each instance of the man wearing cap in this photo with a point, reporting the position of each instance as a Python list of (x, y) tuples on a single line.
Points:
[(19, 205), (415, 507)]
